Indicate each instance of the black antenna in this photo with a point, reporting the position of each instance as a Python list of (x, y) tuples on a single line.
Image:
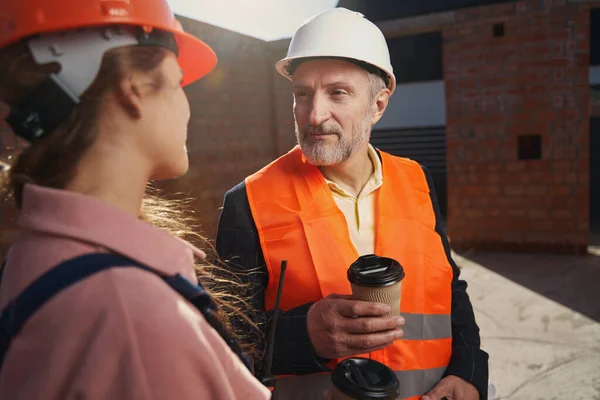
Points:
[(269, 378)]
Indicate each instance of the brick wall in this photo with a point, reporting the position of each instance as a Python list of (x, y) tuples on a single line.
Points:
[(231, 131), (534, 80), (283, 99)]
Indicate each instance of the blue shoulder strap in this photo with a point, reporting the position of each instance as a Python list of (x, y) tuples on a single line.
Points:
[(14, 316), (2, 271)]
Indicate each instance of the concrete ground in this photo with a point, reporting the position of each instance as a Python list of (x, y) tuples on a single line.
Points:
[(540, 322)]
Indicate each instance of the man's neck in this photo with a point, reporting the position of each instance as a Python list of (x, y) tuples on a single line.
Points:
[(353, 174)]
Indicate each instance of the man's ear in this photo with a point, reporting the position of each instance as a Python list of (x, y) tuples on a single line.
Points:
[(129, 95), (380, 104)]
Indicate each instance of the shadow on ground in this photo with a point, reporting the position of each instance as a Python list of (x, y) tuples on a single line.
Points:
[(571, 281)]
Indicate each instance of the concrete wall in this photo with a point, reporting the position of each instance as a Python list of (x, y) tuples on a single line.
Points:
[(595, 75), (415, 105)]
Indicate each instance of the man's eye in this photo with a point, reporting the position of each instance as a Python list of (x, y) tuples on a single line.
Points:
[(339, 92)]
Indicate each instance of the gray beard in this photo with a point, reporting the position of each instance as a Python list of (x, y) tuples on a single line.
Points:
[(323, 153)]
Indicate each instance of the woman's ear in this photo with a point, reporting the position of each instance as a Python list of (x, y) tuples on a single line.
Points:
[(129, 95)]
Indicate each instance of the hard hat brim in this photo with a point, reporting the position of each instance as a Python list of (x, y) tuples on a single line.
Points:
[(196, 58), (282, 66)]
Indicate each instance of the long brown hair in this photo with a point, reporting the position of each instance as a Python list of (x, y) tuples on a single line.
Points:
[(52, 160)]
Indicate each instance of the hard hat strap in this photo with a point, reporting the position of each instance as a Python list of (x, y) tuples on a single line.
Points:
[(79, 54), (49, 104)]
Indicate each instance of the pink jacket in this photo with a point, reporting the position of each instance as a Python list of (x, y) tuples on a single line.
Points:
[(120, 334)]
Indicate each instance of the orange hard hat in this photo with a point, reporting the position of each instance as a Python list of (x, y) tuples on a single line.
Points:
[(20, 19)]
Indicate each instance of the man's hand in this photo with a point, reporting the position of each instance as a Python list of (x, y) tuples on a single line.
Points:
[(453, 388), (339, 326)]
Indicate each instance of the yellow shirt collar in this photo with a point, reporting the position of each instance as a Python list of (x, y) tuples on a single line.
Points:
[(374, 182)]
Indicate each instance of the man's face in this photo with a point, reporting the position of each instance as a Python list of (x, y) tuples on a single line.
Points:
[(332, 110)]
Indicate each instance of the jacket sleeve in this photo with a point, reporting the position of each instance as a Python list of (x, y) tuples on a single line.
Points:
[(468, 361), (239, 250)]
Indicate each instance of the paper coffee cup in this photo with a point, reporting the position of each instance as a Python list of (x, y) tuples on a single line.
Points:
[(377, 279), (364, 379)]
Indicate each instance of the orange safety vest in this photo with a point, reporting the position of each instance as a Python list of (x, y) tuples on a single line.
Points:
[(298, 220)]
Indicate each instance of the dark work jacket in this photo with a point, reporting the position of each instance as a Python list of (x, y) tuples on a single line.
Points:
[(239, 247)]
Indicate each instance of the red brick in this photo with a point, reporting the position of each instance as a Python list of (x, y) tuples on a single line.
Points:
[(536, 190), (582, 192), (473, 190), (513, 190), (495, 212), (504, 9), (493, 190), (516, 212), (560, 191), (524, 178), (474, 214), (538, 214), (544, 90), (561, 213), (571, 178)]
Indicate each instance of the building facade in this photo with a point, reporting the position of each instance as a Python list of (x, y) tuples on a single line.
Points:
[(505, 107), (499, 99)]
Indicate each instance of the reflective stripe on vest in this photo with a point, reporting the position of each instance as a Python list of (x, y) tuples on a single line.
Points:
[(311, 387), (426, 326), (298, 220)]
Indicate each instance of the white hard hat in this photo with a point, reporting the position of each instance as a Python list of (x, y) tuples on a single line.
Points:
[(340, 33)]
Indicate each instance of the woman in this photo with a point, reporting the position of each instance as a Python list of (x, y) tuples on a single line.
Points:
[(95, 86)]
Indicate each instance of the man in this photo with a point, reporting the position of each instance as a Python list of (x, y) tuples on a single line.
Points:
[(334, 198)]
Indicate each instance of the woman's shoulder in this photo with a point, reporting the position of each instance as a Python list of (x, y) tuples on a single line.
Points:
[(134, 314), (31, 255), (173, 340)]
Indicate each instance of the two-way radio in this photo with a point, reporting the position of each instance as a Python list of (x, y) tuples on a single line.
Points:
[(269, 378)]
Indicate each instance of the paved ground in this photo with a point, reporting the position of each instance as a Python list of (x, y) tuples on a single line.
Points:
[(540, 322)]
